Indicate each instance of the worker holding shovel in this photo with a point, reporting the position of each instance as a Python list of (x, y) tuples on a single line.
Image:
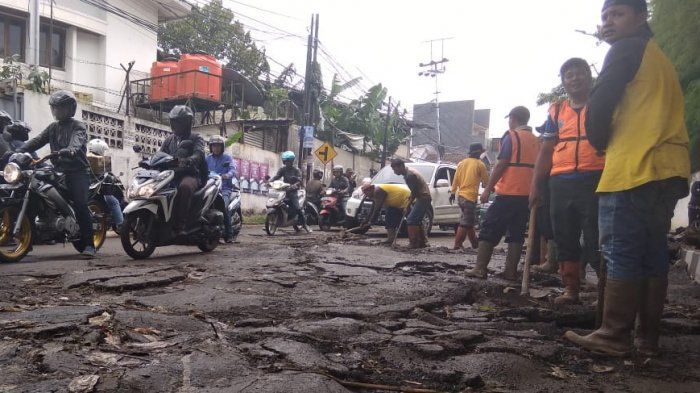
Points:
[(393, 197)]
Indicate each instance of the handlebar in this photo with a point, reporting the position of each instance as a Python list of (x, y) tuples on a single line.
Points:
[(45, 158)]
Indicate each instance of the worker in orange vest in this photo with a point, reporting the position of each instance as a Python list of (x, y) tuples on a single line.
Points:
[(511, 180), (573, 168)]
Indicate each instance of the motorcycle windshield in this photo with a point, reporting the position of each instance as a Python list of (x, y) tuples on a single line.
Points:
[(160, 159)]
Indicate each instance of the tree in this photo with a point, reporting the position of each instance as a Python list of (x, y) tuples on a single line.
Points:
[(676, 27), (212, 29)]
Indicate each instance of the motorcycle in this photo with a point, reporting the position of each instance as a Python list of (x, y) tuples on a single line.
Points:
[(34, 209), (234, 207), (149, 219), (331, 210), (278, 214), (109, 184)]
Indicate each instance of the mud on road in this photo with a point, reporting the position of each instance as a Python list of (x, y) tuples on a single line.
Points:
[(311, 313)]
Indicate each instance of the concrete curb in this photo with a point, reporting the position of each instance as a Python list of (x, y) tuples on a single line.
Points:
[(691, 257)]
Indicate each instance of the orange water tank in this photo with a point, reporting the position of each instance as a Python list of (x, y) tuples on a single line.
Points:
[(205, 82), (164, 82)]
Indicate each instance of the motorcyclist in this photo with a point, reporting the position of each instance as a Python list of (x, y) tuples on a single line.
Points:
[(314, 187), (99, 148), (341, 183), (222, 164), (292, 176), (68, 137), (352, 178), (192, 168)]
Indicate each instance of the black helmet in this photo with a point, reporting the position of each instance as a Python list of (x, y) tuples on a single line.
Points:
[(181, 112), (5, 119), (64, 97), (19, 130)]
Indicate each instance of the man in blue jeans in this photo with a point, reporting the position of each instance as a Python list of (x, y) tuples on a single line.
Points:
[(222, 164), (419, 204), (636, 115)]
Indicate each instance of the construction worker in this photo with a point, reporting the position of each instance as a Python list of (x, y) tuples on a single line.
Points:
[(509, 212), (471, 172), (636, 115), (570, 167), (419, 203), (393, 197)]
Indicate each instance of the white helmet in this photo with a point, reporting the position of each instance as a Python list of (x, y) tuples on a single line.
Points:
[(338, 168), (97, 147)]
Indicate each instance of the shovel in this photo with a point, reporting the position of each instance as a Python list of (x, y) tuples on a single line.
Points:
[(528, 253)]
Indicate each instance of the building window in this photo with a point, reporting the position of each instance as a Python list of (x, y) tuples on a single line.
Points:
[(53, 51), (12, 37)]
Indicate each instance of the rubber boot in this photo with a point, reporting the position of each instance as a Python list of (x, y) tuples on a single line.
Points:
[(391, 234), (550, 265), (651, 307), (414, 237), (483, 257), (423, 237), (613, 338), (570, 276), (460, 237), (471, 234), (515, 250)]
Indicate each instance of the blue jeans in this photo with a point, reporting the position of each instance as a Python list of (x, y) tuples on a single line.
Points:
[(78, 184), (228, 228), (418, 210), (634, 226), (115, 210)]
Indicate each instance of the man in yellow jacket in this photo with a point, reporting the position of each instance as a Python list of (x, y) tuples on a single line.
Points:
[(635, 115), (393, 197), (465, 188)]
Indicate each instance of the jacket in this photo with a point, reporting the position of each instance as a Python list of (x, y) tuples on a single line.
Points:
[(517, 177), (223, 165), (196, 154), (636, 115), (573, 153), (69, 134)]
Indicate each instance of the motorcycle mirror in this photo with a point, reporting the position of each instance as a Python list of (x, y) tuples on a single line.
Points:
[(137, 149)]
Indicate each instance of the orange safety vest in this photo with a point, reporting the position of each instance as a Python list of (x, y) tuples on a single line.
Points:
[(573, 152), (517, 178)]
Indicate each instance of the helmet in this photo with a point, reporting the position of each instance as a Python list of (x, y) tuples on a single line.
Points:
[(181, 112), (217, 140), (338, 168), (64, 97), (288, 156), (318, 174), (97, 147), (19, 130), (5, 119)]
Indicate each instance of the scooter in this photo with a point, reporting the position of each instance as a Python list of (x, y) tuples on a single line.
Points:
[(149, 218), (331, 213), (278, 209)]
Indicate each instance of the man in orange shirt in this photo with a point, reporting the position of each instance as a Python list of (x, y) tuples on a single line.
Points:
[(470, 173), (509, 212), (573, 168)]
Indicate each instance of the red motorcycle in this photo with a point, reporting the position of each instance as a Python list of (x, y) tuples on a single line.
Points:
[(332, 213)]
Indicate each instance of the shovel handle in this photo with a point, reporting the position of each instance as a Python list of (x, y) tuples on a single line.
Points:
[(532, 226)]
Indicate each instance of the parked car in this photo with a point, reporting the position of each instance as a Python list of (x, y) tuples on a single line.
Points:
[(439, 178)]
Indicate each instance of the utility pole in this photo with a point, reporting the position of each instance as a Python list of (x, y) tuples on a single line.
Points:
[(386, 134), (127, 88), (34, 32), (310, 98), (432, 70)]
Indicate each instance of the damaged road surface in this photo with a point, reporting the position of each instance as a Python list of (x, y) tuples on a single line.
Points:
[(311, 313)]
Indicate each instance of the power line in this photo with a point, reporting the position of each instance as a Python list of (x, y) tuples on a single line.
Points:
[(266, 10)]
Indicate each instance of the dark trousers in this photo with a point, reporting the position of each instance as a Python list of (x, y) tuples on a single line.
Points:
[(294, 207), (507, 216), (183, 199), (78, 184), (574, 208)]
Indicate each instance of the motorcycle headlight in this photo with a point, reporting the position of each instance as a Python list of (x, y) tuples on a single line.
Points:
[(146, 191), (12, 173)]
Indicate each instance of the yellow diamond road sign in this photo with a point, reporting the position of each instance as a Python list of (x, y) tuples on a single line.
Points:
[(325, 153)]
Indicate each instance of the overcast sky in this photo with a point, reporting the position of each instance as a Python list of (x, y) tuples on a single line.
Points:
[(504, 52)]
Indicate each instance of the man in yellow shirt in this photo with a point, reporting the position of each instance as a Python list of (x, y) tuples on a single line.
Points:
[(636, 115), (470, 173), (394, 197)]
